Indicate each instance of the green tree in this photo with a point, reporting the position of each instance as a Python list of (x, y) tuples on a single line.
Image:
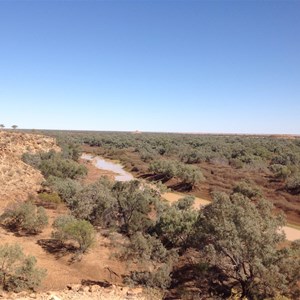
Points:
[(95, 203), (18, 271), (190, 175), (67, 228), (134, 205), (14, 126), (66, 188), (70, 150), (175, 225), (2, 126), (144, 248), (241, 241), (165, 168)]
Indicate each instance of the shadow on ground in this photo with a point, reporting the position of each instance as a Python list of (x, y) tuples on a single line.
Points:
[(87, 282), (57, 248)]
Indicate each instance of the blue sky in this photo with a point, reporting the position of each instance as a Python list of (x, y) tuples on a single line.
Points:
[(179, 66)]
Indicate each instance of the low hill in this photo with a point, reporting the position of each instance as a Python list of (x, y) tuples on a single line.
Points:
[(18, 179)]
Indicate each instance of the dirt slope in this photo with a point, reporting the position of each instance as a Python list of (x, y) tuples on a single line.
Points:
[(17, 179)]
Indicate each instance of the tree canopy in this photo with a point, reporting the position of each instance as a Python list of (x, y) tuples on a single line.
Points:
[(242, 244)]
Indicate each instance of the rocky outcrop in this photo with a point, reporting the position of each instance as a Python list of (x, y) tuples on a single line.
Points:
[(85, 292), (17, 179)]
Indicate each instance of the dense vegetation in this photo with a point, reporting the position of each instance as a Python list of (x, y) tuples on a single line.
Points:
[(234, 247), (279, 155), (193, 148), (203, 164), (237, 241), (55, 164)]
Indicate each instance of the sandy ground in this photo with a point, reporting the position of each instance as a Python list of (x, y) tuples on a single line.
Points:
[(60, 271), (292, 234), (173, 197)]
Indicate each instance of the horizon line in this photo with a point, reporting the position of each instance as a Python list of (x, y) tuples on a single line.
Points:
[(170, 132)]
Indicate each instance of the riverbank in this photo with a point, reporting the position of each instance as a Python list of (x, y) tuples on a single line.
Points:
[(119, 174), (112, 167)]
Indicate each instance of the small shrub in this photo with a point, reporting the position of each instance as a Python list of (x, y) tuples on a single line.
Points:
[(159, 278), (17, 271), (143, 248), (192, 157), (67, 228), (66, 188), (293, 184), (25, 216), (280, 171), (33, 160), (236, 163), (146, 156), (51, 200), (280, 159), (247, 189), (185, 202)]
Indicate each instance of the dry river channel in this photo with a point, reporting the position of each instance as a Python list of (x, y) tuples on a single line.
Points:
[(122, 175)]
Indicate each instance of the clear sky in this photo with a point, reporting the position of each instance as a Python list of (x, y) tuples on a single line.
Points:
[(180, 66)]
